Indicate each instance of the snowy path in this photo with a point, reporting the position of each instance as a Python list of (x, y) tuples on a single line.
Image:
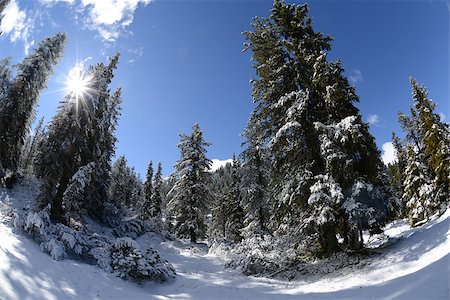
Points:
[(417, 267)]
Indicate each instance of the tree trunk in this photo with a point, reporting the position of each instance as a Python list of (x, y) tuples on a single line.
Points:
[(193, 236), (354, 242), (328, 240), (57, 211)]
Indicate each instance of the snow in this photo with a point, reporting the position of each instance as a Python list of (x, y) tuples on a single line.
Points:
[(413, 264)]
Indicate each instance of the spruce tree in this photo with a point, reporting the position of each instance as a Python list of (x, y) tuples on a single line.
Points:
[(5, 81), (400, 164), (156, 199), (301, 98), (31, 148), (426, 163), (255, 178), (152, 206), (418, 190), (121, 188), (81, 133), (148, 188), (18, 104), (190, 194), (219, 185), (217, 228), (233, 202), (435, 142)]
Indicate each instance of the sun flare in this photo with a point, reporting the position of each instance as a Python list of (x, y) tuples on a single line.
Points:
[(77, 83)]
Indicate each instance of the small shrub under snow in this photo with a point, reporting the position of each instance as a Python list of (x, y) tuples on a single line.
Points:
[(127, 261), (120, 256)]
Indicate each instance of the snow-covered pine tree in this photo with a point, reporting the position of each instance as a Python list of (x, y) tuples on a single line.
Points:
[(148, 190), (125, 189), (81, 132), (325, 199), (234, 212), (153, 192), (137, 192), (17, 108), (255, 172), (397, 168), (219, 185), (30, 149), (435, 143), (156, 198), (5, 81), (418, 188), (217, 228), (190, 194), (428, 157), (298, 92)]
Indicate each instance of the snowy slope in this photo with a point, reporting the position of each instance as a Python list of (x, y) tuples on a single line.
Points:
[(415, 267)]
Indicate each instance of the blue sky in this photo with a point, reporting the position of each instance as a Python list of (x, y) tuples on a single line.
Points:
[(182, 62)]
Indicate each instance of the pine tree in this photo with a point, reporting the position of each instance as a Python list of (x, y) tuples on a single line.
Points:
[(302, 98), (5, 81), (400, 164), (426, 162), (82, 132), (17, 108), (190, 194), (234, 211), (217, 228), (121, 188), (325, 199), (435, 142), (148, 189), (137, 192), (152, 206), (255, 172), (219, 185), (31, 148), (418, 190), (156, 199)]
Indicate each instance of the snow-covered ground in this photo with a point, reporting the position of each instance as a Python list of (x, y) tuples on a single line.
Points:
[(415, 266)]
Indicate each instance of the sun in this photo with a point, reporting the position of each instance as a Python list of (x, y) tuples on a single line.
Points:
[(77, 83)]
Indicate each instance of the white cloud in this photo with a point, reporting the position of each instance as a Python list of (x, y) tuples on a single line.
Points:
[(442, 115), (373, 119), (217, 164), (17, 24), (356, 76), (388, 155), (110, 17)]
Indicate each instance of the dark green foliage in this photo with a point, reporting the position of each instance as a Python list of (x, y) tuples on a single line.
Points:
[(435, 142), (255, 178), (152, 207), (190, 194), (82, 132), (235, 213), (424, 166), (32, 145), (148, 185), (125, 189), (19, 96), (306, 119)]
